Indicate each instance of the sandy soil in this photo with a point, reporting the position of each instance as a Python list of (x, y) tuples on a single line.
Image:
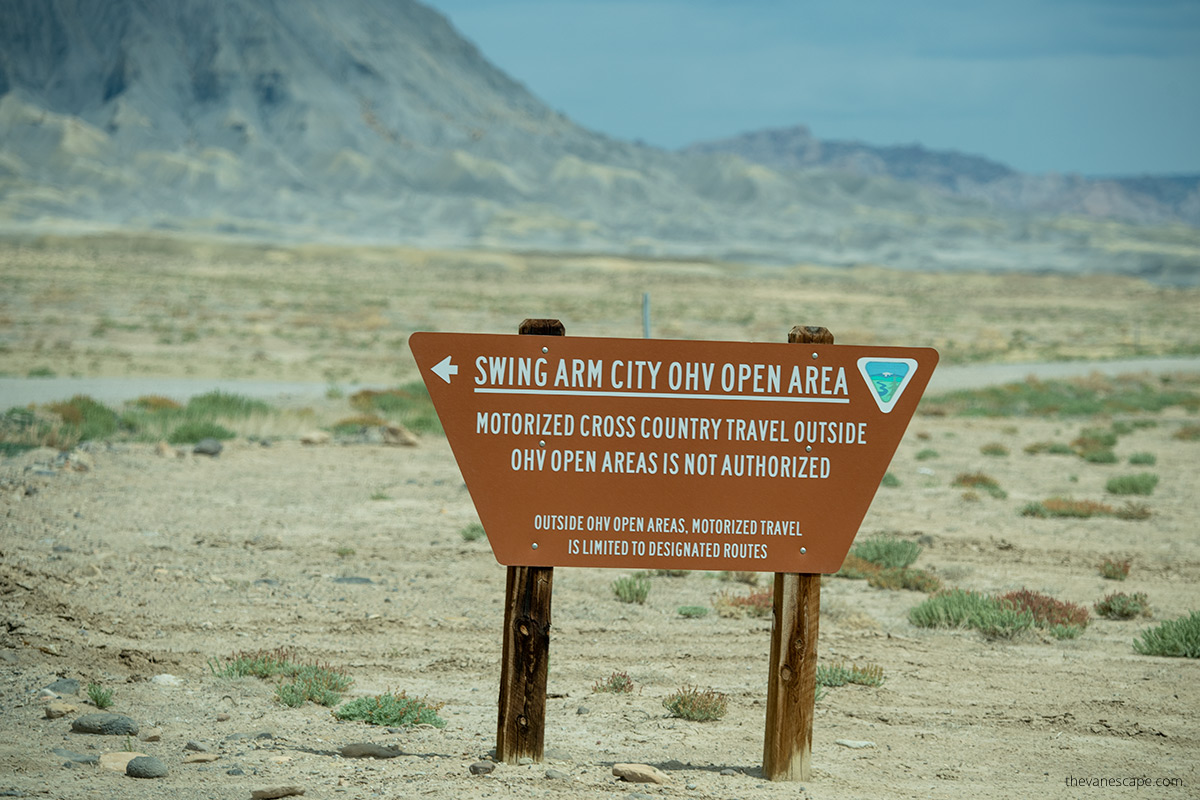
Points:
[(122, 564), (145, 564)]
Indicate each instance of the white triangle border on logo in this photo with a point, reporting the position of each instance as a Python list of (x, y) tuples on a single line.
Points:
[(887, 406)]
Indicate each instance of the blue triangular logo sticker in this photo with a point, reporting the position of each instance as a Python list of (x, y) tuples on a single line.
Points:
[(887, 378)]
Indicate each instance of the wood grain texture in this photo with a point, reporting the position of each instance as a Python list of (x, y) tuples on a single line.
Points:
[(792, 669), (521, 717)]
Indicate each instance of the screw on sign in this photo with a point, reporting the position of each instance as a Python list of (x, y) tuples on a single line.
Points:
[(662, 454)]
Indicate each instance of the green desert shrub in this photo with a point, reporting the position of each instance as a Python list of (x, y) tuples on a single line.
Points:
[(1119, 605), (393, 710), (100, 696), (959, 608), (1143, 459), (192, 432), (1115, 570), (1142, 483), (1178, 638), (692, 703), (632, 589), (298, 681), (887, 551), (841, 674), (692, 612)]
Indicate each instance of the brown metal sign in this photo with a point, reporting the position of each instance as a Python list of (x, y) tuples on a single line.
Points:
[(670, 454)]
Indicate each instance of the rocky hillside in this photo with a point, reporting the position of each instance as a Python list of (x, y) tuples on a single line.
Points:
[(1146, 199), (374, 120)]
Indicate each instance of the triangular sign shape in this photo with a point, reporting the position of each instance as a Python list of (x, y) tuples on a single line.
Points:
[(887, 378)]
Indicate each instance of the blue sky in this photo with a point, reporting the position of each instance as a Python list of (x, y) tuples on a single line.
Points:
[(1099, 87)]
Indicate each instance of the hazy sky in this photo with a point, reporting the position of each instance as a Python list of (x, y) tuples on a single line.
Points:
[(1099, 87)]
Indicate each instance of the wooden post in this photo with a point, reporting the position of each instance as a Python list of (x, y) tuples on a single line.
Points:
[(792, 676), (521, 721)]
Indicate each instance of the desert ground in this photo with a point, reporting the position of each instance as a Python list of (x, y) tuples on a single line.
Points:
[(143, 569)]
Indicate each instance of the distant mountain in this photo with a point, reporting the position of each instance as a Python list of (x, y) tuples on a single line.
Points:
[(375, 121), (1146, 199)]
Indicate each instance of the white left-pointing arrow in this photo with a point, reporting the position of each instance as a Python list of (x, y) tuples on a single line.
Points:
[(444, 369)]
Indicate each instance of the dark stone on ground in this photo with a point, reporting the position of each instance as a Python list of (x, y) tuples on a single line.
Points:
[(78, 758), (64, 686), (353, 579), (146, 767), (369, 750), (105, 724), (195, 746), (207, 447), (482, 768), (276, 791), (557, 775)]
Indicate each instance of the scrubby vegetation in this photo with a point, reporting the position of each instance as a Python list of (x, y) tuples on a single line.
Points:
[(1177, 638), (1119, 605), (1079, 397), (393, 710), (692, 703), (1002, 616), (298, 681), (632, 589), (885, 562)]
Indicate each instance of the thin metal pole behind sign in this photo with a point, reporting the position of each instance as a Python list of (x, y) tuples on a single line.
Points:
[(521, 718), (645, 315), (792, 675)]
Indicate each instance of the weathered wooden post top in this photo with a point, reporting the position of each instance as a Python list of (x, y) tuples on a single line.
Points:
[(669, 454)]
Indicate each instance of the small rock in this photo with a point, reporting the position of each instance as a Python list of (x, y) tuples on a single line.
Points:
[(223, 717), (105, 724), (201, 758), (482, 768), (80, 461), (78, 758), (729, 771), (524, 761), (278, 791), (195, 746), (691, 787), (353, 579), (235, 771), (854, 744), (151, 735), (639, 773), (64, 686), (369, 750), (557, 775), (208, 447), (315, 437), (396, 434), (583, 710), (56, 709), (166, 679), (146, 767), (117, 762)]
